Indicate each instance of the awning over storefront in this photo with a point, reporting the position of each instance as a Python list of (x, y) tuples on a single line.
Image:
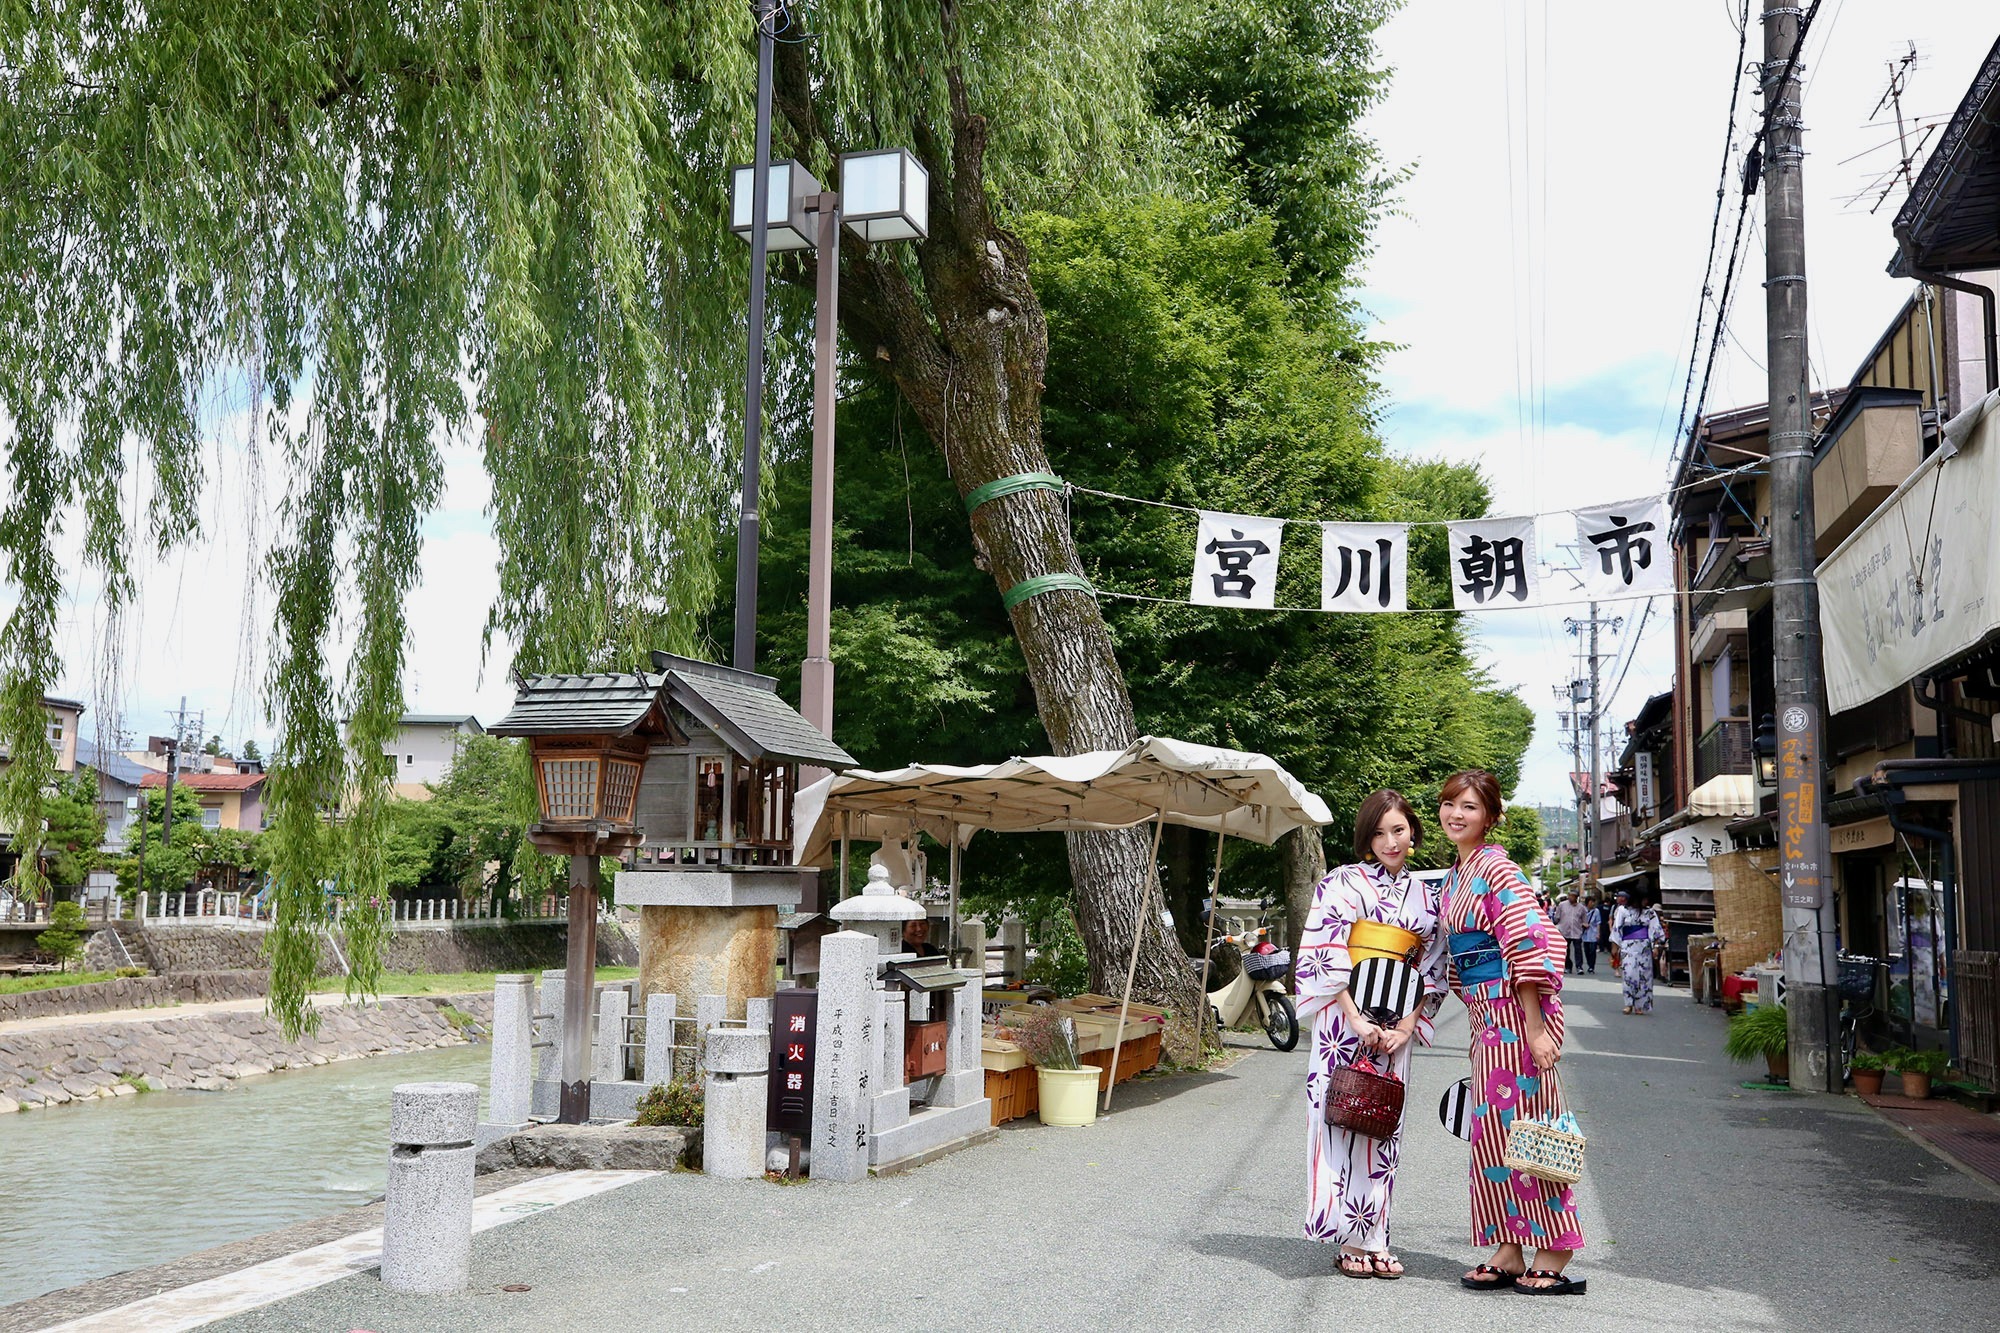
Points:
[(1727, 795), (1612, 883), (1911, 589)]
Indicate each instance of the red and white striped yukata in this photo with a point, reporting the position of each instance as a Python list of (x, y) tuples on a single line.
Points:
[(1487, 893)]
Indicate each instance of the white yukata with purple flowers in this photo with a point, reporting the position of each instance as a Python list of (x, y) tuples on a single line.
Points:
[(1350, 1177)]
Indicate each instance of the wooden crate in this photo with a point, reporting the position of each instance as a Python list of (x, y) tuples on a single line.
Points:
[(1013, 1092)]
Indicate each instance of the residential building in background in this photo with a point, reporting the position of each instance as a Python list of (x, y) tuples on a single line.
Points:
[(228, 800), (424, 748)]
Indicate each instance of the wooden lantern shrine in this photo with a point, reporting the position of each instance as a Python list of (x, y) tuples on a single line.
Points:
[(589, 738), (711, 865)]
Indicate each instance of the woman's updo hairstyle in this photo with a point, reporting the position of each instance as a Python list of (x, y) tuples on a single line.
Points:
[(1482, 785)]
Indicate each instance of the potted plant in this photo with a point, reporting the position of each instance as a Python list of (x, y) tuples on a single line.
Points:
[(1918, 1068), (1761, 1031), (1866, 1072), (1065, 1088)]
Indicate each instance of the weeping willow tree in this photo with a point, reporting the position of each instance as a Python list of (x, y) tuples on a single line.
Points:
[(407, 221)]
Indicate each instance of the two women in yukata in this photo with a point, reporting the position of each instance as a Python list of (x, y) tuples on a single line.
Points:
[(1482, 937)]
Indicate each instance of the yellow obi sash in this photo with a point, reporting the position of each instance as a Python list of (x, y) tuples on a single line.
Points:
[(1373, 939)]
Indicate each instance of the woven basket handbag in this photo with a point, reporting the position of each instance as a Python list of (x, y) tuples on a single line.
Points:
[(1539, 1149), (1364, 1100)]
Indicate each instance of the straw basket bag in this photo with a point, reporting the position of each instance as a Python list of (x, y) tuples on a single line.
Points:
[(1545, 1150), (1360, 1099)]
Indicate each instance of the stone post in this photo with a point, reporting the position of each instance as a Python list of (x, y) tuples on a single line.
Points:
[(427, 1220), (972, 939), (552, 1005), (889, 1106), (660, 1038), (845, 1055), (1014, 939), (757, 1013), (964, 1080), (143, 900), (608, 1063), (733, 1103), (709, 1011), (512, 1089)]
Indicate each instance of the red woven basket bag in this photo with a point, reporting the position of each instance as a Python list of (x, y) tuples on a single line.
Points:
[(1364, 1100)]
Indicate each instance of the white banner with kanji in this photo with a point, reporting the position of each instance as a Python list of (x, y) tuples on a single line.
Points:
[(1236, 560), (1493, 564), (1624, 548), (1364, 567)]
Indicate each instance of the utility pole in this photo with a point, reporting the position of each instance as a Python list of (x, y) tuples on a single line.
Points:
[(1596, 758), (1802, 836), (1592, 800)]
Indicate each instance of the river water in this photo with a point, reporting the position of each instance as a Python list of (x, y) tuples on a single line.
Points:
[(105, 1186)]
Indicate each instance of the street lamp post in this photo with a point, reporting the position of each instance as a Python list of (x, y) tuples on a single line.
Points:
[(884, 196), (745, 655)]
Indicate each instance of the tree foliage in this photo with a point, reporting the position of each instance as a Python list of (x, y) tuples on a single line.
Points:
[(74, 840), (193, 855)]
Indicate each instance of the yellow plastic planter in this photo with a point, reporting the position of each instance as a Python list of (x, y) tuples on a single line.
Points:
[(1067, 1096)]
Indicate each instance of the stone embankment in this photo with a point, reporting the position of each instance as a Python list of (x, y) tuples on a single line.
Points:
[(442, 946), (133, 993), (54, 1066)]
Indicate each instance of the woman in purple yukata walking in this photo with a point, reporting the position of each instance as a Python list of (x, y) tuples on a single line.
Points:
[(1507, 965), (1350, 1177)]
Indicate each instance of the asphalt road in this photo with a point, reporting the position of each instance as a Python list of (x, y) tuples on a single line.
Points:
[(1706, 1206)]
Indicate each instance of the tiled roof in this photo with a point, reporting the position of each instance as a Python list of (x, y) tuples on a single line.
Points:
[(465, 721), (612, 703), (744, 708), (110, 763), (205, 781)]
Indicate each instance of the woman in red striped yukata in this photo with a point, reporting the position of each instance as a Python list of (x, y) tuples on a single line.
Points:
[(1507, 965)]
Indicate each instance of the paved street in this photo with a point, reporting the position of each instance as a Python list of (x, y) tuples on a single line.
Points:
[(1707, 1207)]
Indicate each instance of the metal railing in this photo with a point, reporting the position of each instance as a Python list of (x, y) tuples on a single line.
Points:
[(1724, 748)]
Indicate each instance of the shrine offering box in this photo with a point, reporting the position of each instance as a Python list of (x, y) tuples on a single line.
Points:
[(923, 1051)]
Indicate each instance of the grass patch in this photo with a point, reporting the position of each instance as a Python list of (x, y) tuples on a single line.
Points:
[(53, 981), (457, 1017), (138, 1082), (451, 983)]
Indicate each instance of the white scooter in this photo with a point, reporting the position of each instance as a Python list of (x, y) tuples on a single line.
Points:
[(1257, 990)]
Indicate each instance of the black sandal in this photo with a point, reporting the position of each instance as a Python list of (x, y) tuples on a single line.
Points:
[(1559, 1286), (1502, 1279)]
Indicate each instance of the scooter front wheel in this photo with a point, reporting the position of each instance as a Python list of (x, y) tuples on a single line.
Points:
[(1281, 1022)]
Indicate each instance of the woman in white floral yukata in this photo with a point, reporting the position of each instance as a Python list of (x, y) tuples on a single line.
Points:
[(1349, 1176)]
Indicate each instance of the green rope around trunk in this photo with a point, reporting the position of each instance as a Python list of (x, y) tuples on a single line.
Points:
[(1040, 584), (1014, 485)]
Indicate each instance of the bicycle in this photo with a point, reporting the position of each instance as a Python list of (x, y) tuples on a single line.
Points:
[(1856, 985)]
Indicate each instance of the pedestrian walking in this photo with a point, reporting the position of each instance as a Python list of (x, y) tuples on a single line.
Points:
[(1349, 1176), (1593, 931), (1638, 930), (1569, 915), (1503, 965)]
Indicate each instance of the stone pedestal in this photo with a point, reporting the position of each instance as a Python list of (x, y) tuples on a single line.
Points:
[(427, 1216), (733, 1102), (710, 931)]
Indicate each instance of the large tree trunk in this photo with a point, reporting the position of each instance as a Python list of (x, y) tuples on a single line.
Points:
[(968, 354), (1305, 867)]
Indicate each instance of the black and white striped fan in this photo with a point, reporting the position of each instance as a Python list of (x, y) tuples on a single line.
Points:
[(1455, 1109), (1386, 986)]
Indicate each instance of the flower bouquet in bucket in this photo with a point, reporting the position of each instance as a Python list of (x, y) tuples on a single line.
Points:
[(1066, 1089)]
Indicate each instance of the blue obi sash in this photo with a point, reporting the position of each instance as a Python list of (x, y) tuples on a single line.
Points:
[(1476, 954), (1634, 932)]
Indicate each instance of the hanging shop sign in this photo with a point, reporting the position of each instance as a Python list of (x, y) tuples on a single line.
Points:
[(1914, 586)]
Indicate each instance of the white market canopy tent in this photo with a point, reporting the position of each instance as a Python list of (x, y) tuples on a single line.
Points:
[(1232, 793)]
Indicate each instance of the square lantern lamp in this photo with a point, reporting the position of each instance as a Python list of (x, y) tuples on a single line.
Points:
[(589, 783), (788, 225), (885, 195)]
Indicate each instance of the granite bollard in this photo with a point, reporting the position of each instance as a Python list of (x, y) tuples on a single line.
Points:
[(608, 1054), (846, 1054), (512, 1088), (733, 1103), (427, 1218), (660, 1008)]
